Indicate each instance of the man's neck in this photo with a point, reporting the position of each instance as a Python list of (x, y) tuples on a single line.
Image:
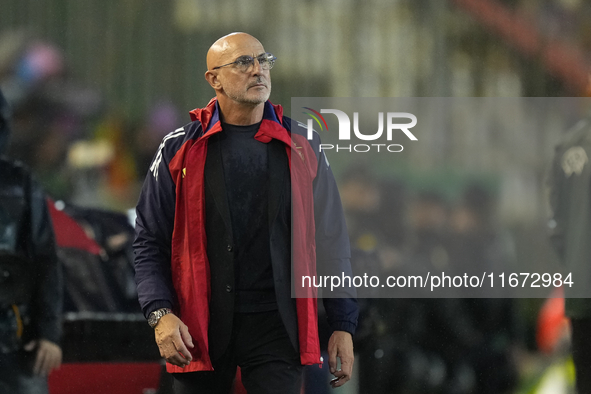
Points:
[(240, 114)]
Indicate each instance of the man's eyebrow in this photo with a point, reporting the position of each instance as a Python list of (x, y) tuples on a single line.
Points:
[(262, 53), (247, 55)]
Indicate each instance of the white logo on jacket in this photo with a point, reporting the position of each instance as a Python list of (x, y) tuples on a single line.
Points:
[(158, 158)]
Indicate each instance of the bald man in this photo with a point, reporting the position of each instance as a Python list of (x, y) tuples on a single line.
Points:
[(215, 239)]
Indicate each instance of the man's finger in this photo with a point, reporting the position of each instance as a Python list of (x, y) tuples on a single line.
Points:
[(186, 337), (54, 363), (341, 377), (47, 363), (171, 355), (347, 370), (58, 359), (169, 352), (341, 374), (338, 382), (39, 361), (177, 360), (182, 349), (347, 364), (30, 346), (332, 360)]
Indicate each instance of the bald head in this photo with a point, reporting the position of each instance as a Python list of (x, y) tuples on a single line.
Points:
[(231, 46), (241, 91)]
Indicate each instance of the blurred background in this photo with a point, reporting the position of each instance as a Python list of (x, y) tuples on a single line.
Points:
[(95, 85)]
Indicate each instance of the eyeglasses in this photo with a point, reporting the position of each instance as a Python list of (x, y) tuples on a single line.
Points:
[(244, 63)]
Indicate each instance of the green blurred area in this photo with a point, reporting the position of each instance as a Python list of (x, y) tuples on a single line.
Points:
[(136, 51)]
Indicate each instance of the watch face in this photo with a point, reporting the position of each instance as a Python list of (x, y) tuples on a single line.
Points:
[(152, 319), (155, 316)]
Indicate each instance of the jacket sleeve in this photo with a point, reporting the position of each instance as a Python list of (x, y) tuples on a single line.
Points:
[(48, 300), (332, 248), (153, 236)]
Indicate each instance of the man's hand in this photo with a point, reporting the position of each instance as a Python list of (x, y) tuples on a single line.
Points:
[(49, 356), (172, 338), (340, 345)]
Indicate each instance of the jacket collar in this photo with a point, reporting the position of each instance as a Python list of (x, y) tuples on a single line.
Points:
[(271, 126)]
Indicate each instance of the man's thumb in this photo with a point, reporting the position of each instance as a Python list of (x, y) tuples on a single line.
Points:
[(30, 346)]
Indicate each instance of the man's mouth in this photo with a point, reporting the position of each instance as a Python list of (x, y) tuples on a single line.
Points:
[(259, 83)]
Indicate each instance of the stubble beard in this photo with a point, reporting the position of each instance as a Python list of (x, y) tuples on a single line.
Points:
[(246, 96)]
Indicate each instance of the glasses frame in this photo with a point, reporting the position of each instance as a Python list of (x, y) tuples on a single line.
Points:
[(265, 56)]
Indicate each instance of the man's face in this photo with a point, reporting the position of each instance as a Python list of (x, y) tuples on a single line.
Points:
[(250, 87)]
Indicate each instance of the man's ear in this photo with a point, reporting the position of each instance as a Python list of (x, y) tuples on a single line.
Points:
[(212, 78)]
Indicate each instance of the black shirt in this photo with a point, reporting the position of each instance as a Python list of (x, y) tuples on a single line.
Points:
[(247, 185)]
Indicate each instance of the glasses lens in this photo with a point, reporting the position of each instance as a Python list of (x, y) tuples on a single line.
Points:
[(244, 63), (266, 61)]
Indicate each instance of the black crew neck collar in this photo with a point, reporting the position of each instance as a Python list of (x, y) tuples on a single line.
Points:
[(241, 127)]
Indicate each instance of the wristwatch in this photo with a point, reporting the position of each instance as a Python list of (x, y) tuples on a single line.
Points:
[(155, 316)]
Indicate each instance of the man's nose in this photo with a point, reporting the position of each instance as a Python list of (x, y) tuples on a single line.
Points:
[(257, 68)]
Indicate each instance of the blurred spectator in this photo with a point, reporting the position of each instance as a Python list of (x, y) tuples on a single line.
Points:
[(448, 345), (30, 277), (360, 194), (570, 198), (411, 334), (428, 219), (474, 245), (161, 119), (120, 171), (438, 329), (49, 112)]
